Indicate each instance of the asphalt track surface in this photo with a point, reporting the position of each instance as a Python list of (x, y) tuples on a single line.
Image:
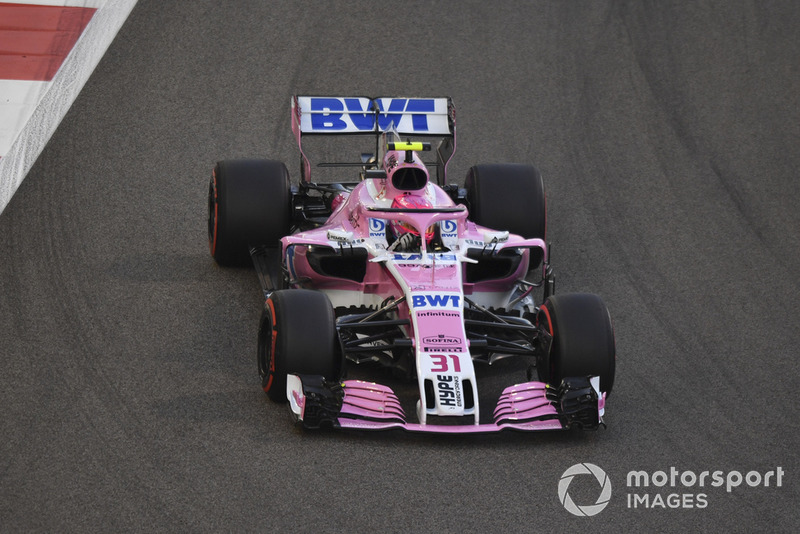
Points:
[(668, 137)]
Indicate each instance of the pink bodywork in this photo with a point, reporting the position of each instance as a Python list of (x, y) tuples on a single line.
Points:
[(432, 283)]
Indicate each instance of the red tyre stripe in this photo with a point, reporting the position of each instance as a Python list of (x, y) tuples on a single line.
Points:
[(272, 354), (549, 320)]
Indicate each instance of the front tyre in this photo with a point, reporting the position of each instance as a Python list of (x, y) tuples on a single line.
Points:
[(297, 335), (582, 339)]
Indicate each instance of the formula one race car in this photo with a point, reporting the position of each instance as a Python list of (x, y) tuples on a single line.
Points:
[(427, 280)]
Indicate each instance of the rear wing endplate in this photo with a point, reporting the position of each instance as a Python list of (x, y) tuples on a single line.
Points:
[(331, 115)]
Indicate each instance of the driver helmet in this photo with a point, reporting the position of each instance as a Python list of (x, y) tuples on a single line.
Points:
[(410, 202)]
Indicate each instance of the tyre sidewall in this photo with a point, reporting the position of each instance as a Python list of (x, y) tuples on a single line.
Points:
[(582, 339), (297, 335), (509, 197), (249, 205)]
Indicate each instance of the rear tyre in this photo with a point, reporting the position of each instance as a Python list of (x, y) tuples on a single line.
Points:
[(297, 335), (509, 197), (249, 204), (582, 339)]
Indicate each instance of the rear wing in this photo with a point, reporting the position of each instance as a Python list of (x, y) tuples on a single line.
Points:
[(416, 117)]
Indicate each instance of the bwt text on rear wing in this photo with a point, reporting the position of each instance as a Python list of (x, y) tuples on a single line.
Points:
[(417, 117)]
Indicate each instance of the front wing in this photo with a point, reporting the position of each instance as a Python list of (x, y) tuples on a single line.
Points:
[(531, 406)]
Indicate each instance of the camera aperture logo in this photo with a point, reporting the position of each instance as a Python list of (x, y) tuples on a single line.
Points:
[(588, 509)]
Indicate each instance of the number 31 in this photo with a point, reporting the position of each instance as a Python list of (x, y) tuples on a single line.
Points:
[(440, 361)]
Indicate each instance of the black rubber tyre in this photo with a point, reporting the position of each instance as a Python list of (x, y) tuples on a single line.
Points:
[(249, 203), (583, 339), (509, 197), (297, 334)]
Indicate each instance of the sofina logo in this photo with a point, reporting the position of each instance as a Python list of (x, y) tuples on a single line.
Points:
[(589, 509)]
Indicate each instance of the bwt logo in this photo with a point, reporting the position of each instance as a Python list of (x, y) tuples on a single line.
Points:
[(449, 228), (346, 113), (436, 301), (377, 228), (418, 257)]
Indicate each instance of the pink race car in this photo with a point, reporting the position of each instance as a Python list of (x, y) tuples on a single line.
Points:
[(428, 280)]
